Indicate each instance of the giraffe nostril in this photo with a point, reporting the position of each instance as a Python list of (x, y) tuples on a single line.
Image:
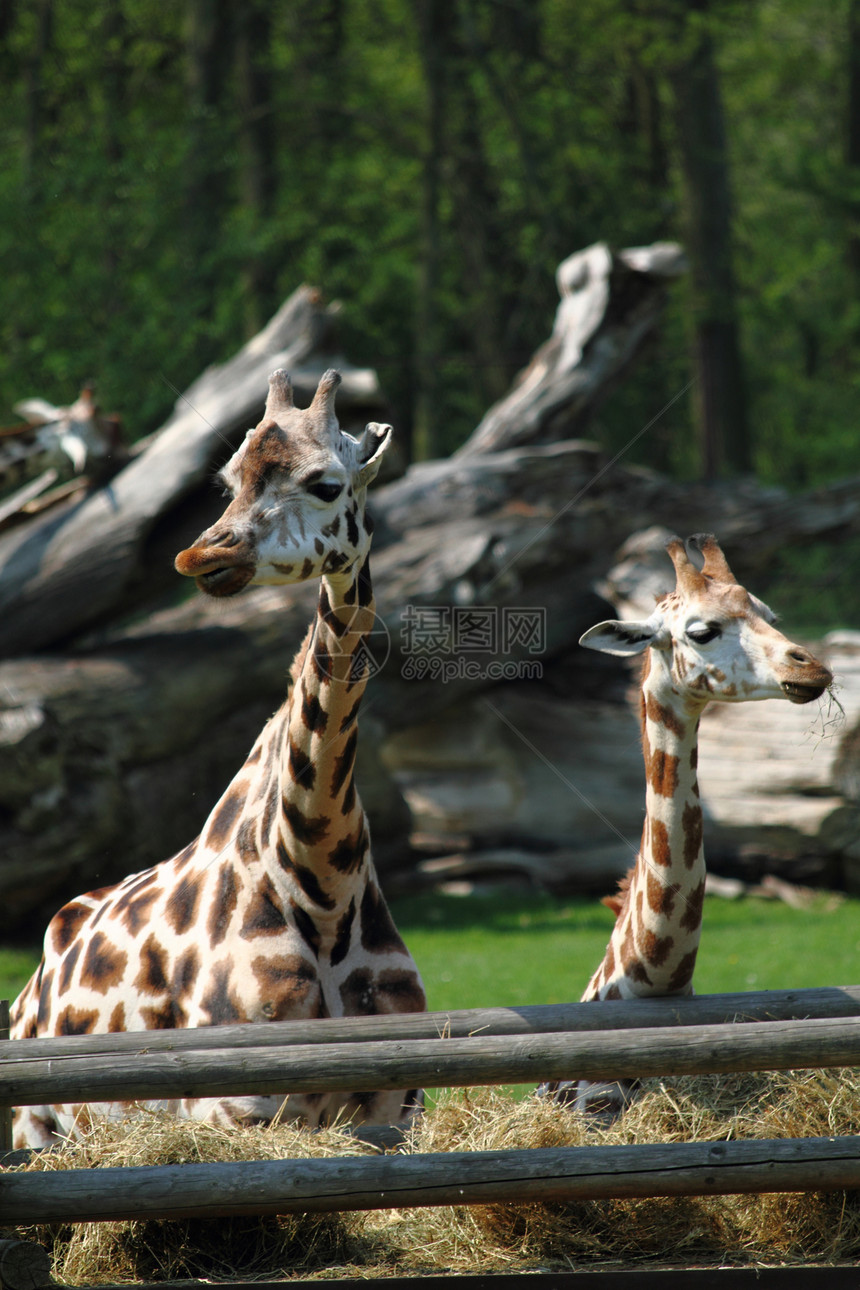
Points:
[(799, 655), (224, 538)]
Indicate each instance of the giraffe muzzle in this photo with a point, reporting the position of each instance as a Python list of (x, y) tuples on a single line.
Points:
[(216, 571)]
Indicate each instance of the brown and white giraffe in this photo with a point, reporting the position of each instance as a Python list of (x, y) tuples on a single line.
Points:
[(274, 911), (707, 641)]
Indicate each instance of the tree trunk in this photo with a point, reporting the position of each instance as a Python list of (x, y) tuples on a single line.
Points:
[(36, 111), (425, 433), (852, 140), (719, 397), (256, 156), (208, 50)]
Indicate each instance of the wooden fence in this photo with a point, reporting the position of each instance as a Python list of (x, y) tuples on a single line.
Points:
[(773, 1030)]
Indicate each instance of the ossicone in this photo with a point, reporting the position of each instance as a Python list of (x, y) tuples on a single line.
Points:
[(323, 400), (280, 394)]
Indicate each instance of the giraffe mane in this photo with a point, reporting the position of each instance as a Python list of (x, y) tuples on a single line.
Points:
[(619, 899), (299, 661)]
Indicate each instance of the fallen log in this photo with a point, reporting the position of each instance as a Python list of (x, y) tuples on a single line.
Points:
[(105, 554), (111, 756), (610, 304)]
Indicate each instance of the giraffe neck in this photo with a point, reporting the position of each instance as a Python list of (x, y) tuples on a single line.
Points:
[(319, 832), (656, 935)]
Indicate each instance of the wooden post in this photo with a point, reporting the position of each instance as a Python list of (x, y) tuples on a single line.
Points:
[(5, 1111), (24, 1266)]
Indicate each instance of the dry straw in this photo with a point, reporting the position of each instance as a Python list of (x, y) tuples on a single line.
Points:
[(817, 1227)]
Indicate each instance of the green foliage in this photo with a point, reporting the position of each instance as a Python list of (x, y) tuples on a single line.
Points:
[(170, 172), (16, 968)]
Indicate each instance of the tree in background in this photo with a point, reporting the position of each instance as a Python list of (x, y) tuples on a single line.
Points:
[(171, 172), (719, 396)]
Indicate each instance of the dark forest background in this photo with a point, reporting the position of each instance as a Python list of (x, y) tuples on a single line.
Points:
[(169, 172)]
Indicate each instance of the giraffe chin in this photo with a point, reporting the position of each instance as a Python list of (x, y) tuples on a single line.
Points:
[(226, 581)]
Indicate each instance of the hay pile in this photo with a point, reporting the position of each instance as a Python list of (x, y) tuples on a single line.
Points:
[(510, 1237)]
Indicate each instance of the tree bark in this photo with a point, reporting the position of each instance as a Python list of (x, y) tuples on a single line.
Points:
[(113, 552), (257, 167), (610, 305), (852, 138), (425, 431), (718, 397)]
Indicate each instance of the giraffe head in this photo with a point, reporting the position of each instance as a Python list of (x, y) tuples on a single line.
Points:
[(298, 486), (712, 639)]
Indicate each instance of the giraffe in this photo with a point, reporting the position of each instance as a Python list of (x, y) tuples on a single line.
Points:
[(274, 911), (708, 640)]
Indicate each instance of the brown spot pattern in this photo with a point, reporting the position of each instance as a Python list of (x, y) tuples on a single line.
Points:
[(264, 916), (306, 927), (661, 769), (288, 983), (185, 972), (116, 1023), (135, 910), (344, 763), (66, 925), (663, 716), (692, 916), (67, 967), (314, 715), (398, 990), (306, 830), (656, 948), (301, 767), (152, 974), (181, 907), (683, 974), (104, 964), (76, 1021), (661, 897), (660, 850), (358, 993), (218, 1001), (223, 905), (692, 823), (225, 817), (343, 936), (378, 933)]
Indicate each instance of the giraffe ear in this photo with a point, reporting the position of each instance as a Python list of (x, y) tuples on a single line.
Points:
[(372, 444), (615, 637)]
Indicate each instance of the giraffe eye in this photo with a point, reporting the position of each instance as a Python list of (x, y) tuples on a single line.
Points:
[(701, 633), (325, 492)]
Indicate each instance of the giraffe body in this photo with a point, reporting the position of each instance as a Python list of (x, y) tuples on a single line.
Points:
[(274, 911), (709, 640)]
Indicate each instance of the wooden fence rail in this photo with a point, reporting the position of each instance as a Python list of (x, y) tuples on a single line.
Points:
[(450, 1178), (800, 1029), (387, 1064), (620, 1014)]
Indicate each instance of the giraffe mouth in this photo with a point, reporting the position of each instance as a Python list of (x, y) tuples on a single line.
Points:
[(225, 580), (803, 693)]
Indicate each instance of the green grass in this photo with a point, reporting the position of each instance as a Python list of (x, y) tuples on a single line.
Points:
[(511, 948)]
